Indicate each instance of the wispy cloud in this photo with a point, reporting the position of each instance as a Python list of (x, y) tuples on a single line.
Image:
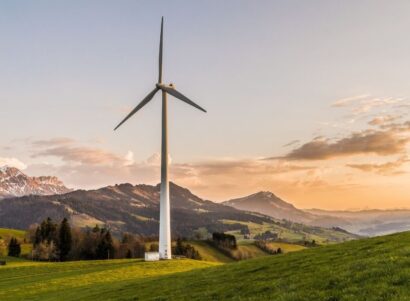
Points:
[(292, 143), (388, 168), (344, 102), (383, 119), (58, 141)]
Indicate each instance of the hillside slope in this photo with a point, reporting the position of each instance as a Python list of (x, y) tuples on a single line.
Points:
[(363, 270), (135, 209)]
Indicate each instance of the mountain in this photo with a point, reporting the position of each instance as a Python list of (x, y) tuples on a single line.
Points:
[(135, 209), (266, 202), (14, 183), (369, 222), (365, 222)]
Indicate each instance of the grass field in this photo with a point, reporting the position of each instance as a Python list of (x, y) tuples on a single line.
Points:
[(286, 248), (209, 253), (249, 250), (6, 234), (293, 232), (369, 270)]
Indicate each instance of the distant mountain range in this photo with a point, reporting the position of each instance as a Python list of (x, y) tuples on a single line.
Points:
[(28, 200), (366, 222), (135, 209), (369, 222), (14, 183)]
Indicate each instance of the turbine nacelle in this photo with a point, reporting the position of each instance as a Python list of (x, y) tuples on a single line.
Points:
[(163, 86)]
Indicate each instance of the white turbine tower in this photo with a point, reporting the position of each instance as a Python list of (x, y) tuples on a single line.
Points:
[(165, 219)]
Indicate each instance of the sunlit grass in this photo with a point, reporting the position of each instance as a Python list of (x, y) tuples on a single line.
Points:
[(363, 270)]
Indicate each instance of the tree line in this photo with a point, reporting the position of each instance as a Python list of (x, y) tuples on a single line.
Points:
[(61, 242)]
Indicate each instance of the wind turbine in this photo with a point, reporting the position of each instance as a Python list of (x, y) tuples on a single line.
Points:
[(164, 220)]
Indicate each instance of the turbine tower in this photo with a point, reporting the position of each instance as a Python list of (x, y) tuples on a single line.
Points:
[(164, 219)]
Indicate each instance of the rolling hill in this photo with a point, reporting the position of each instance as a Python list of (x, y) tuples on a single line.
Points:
[(361, 270), (135, 209)]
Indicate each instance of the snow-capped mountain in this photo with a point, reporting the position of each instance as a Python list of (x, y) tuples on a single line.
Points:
[(13, 183)]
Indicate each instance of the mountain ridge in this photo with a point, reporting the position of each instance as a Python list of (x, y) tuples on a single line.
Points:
[(369, 222), (135, 208), (15, 183)]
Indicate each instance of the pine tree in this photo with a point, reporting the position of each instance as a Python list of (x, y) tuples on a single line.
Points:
[(179, 249), (14, 248), (37, 237), (105, 249), (65, 240)]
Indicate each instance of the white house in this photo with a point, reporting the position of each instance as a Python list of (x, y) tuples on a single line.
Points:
[(151, 256)]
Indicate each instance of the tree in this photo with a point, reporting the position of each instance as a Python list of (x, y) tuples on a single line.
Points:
[(201, 234), (179, 249), (14, 248), (65, 240), (45, 251), (105, 249), (47, 231), (153, 247), (96, 229), (37, 236), (224, 240)]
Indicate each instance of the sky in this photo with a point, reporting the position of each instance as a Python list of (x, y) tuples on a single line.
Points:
[(307, 99)]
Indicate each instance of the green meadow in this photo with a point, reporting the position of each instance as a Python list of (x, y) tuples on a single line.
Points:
[(368, 269)]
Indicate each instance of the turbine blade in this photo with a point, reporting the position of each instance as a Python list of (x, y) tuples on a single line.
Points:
[(139, 106), (182, 97), (160, 52)]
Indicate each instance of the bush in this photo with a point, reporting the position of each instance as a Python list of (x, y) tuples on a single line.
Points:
[(264, 246), (186, 250)]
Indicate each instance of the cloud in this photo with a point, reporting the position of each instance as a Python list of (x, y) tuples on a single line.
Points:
[(248, 167), (360, 106), (388, 168), (292, 143), (344, 102), (366, 142), (383, 120), (129, 158), (82, 155), (12, 162), (86, 167), (58, 141)]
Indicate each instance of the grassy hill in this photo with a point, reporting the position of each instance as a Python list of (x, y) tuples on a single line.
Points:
[(6, 234), (209, 253), (369, 269)]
